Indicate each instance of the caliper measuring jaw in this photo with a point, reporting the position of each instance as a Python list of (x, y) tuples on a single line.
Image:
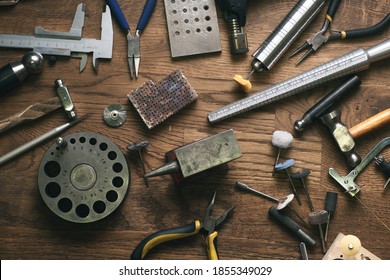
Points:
[(347, 182), (68, 43)]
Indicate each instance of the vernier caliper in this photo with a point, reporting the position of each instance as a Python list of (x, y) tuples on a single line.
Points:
[(67, 43)]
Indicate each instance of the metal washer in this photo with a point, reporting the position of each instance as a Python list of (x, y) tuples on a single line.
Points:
[(84, 181), (114, 115)]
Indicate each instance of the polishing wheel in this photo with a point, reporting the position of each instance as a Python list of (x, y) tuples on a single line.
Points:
[(85, 180)]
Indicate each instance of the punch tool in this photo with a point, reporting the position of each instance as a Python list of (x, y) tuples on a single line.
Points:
[(207, 228), (133, 42), (320, 38)]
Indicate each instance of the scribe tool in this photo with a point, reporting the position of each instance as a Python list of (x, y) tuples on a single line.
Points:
[(344, 65), (320, 39), (206, 227), (133, 42), (67, 43)]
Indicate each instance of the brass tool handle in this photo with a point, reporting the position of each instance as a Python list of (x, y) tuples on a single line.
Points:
[(370, 124), (32, 112)]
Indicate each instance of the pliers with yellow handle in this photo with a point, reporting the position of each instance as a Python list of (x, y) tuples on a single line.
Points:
[(206, 228)]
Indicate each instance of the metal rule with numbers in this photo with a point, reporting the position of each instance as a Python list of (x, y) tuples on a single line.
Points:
[(344, 65)]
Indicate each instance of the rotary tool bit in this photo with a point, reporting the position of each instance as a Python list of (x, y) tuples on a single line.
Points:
[(330, 207), (319, 218)]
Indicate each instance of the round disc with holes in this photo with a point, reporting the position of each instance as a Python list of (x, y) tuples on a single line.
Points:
[(114, 115), (84, 181)]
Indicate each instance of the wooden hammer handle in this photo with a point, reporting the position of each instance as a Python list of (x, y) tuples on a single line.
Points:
[(370, 124)]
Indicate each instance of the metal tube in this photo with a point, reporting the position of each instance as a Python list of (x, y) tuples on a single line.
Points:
[(344, 65)]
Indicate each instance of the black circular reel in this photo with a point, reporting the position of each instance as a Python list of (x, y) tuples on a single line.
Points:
[(84, 180)]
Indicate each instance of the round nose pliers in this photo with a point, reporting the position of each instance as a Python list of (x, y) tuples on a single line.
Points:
[(206, 227), (133, 42), (320, 38)]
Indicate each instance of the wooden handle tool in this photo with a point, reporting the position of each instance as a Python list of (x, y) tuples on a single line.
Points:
[(370, 124), (32, 112)]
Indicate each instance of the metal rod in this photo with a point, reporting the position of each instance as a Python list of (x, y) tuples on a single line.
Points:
[(39, 140), (344, 65)]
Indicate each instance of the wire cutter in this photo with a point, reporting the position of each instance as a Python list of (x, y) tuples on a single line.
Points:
[(133, 42), (205, 227), (319, 38)]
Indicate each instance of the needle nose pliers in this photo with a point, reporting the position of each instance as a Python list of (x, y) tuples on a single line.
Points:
[(133, 42), (206, 228), (319, 38)]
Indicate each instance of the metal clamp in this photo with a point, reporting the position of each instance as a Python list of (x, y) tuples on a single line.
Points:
[(347, 182)]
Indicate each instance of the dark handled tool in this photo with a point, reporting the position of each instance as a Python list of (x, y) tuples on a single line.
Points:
[(322, 106), (291, 226), (283, 203), (14, 73), (383, 165), (235, 14), (133, 42), (319, 38), (330, 207), (206, 228)]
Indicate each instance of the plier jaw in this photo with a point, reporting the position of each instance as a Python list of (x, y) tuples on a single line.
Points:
[(133, 53), (209, 225), (311, 45)]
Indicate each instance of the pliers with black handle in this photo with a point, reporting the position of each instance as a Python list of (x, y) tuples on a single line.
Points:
[(206, 228), (319, 38)]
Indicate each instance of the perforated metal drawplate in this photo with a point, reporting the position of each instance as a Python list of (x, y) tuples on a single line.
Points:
[(84, 180), (192, 27)]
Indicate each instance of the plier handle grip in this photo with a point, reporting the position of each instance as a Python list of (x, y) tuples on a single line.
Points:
[(205, 227), (313, 43)]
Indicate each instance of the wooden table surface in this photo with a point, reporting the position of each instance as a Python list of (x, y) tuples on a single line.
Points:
[(30, 230)]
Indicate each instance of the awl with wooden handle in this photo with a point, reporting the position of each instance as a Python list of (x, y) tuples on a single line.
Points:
[(32, 112), (370, 124)]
